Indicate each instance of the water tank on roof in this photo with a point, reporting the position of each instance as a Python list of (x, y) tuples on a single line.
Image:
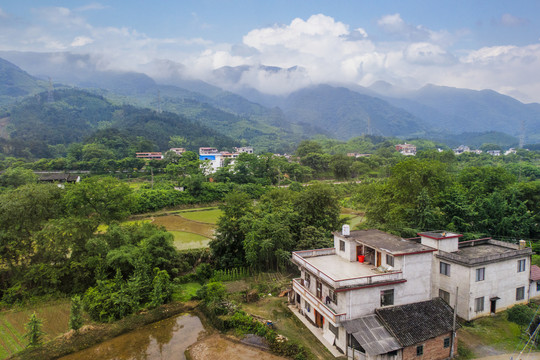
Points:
[(346, 231)]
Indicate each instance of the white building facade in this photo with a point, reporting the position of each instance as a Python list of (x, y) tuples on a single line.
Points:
[(369, 269)]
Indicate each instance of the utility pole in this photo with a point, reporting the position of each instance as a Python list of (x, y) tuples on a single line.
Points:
[(454, 325)]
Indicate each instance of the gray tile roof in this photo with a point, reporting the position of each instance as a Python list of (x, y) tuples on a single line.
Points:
[(415, 323), (372, 335)]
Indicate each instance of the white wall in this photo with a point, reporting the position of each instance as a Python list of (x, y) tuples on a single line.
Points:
[(501, 280)]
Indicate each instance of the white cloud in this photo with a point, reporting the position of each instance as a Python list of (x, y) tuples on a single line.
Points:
[(92, 6), (511, 20), (3, 14), (81, 41), (320, 49)]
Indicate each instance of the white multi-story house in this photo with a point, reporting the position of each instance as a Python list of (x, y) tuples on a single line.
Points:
[(487, 275), (342, 290)]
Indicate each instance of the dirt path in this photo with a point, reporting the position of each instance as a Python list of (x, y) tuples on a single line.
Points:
[(219, 347), (531, 356)]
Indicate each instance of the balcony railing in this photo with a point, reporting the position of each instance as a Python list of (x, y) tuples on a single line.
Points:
[(317, 304), (299, 257)]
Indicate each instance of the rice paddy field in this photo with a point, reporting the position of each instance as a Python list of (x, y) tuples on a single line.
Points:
[(55, 318), (354, 217)]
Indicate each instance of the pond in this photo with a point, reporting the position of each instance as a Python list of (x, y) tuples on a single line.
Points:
[(166, 339)]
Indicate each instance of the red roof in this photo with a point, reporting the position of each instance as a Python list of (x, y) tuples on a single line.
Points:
[(535, 273)]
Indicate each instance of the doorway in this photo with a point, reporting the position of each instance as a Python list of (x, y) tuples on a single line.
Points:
[(319, 319), (493, 305), (378, 259)]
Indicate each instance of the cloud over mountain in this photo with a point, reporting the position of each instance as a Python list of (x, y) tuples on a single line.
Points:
[(313, 50)]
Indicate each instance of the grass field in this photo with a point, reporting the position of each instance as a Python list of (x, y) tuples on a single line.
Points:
[(12, 325), (184, 240), (492, 331), (185, 292), (210, 216)]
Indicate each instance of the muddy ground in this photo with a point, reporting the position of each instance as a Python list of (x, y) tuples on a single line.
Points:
[(220, 347)]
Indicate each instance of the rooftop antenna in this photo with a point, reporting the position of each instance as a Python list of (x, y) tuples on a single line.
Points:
[(50, 95)]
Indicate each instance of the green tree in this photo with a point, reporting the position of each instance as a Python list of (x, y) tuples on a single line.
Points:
[(308, 147), (75, 314), (162, 288), (228, 246), (15, 177), (33, 331), (103, 199)]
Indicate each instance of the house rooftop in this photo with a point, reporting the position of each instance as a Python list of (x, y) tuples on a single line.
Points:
[(372, 335), (484, 251), (417, 322), (439, 235), (392, 244), (535, 273), (339, 268)]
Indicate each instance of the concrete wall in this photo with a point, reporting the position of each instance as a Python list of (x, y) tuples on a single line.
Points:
[(416, 270), (448, 245), (533, 293), (350, 248), (501, 280)]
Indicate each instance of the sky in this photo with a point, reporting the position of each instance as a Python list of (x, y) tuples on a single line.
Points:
[(489, 44)]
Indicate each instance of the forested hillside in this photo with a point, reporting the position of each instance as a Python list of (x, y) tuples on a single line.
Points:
[(36, 124)]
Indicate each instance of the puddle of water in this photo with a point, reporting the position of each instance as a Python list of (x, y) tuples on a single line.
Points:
[(166, 339)]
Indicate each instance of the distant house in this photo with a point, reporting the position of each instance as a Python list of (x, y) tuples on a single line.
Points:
[(149, 155), (510, 151), (59, 178), (461, 149), (244, 149), (178, 151), (406, 149), (357, 155), (534, 287), (494, 152)]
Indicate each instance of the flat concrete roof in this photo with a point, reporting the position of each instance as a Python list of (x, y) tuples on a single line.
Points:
[(383, 241), (340, 269), (484, 251)]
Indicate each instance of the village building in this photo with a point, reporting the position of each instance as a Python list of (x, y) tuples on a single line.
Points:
[(178, 151), (350, 288), (59, 178), (534, 282), (406, 149), (149, 155), (487, 275)]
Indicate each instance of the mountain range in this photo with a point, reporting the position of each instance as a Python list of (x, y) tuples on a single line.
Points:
[(276, 123)]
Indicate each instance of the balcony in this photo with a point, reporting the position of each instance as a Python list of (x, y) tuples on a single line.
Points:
[(339, 273), (317, 304)]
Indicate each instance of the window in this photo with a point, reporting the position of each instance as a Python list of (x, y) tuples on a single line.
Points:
[(538, 286), (447, 342), (387, 297), (420, 350), (521, 265), (520, 293), (341, 245), (308, 307), (445, 295), (480, 274), (333, 329), (445, 268), (308, 279), (389, 260), (333, 296), (479, 304)]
